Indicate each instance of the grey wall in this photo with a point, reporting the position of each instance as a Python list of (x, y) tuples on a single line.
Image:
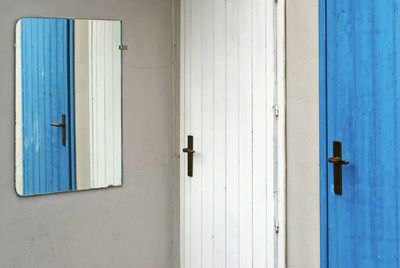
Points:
[(131, 226), (302, 134)]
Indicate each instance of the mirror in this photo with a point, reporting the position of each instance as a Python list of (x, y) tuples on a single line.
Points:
[(67, 105)]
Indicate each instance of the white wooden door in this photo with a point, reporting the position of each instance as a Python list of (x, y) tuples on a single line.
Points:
[(232, 102)]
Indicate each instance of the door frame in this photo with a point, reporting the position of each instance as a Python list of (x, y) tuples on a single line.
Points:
[(323, 142)]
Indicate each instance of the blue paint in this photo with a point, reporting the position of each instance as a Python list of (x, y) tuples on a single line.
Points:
[(47, 79), (71, 120), (323, 138), (359, 99)]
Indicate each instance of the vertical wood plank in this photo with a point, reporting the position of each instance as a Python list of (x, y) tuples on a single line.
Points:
[(207, 132), (219, 106), (196, 85), (41, 124), (187, 112), (323, 184), (25, 59), (71, 109), (280, 157), (259, 113), (100, 104), (108, 106), (366, 252), (341, 90), (35, 106), (117, 103), (47, 103), (61, 81), (245, 104), (397, 123), (184, 88), (271, 126), (54, 184), (385, 75), (91, 51), (232, 151)]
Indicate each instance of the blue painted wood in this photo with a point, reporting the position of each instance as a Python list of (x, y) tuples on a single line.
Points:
[(323, 138), (71, 118), (362, 99), (46, 93)]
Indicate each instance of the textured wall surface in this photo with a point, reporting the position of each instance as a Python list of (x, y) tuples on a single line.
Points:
[(302, 134), (129, 226)]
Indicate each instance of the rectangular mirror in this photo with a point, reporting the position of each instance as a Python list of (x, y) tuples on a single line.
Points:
[(67, 105)]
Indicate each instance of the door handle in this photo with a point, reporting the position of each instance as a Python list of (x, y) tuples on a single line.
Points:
[(64, 133), (189, 150), (337, 166)]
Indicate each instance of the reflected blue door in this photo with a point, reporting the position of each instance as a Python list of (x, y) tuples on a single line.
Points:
[(47, 94), (363, 112)]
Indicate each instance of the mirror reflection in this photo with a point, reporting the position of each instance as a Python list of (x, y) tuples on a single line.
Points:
[(68, 105)]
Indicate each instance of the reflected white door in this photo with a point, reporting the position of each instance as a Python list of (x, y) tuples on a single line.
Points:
[(232, 103)]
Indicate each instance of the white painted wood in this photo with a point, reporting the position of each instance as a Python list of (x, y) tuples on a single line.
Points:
[(232, 75), (270, 131), (91, 48), (105, 93), (183, 191), (260, 165), (99, 101), (207, 134), (108, 103), (18, 112), (232, 134), (281, 132), (195, 102), (117, 101), (185, 129), (220, 121), (245, 103)]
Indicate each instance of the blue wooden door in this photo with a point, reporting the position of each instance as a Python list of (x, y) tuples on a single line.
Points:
[(47, 94), (363, 112)]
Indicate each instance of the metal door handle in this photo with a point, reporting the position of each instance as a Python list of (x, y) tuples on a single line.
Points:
[(64, 133), (189, 150), (338, 160), (337, 166)]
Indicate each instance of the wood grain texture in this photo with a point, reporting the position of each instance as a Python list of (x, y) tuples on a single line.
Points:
[(230, 83), (362, 94), (46, 85), (105, 103)]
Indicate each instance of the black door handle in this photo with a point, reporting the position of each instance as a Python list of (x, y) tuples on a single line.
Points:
[(189, 150), (337, 166), (64, 133)]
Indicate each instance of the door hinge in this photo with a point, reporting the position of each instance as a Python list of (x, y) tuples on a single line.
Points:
[(276, 110), (276, 226)]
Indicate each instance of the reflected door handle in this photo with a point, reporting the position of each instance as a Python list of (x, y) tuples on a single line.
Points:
[(64, 133), (337, 166), (189, 150)]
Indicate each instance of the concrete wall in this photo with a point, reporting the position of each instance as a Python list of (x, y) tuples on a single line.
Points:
[(302, 134), (130, 226)]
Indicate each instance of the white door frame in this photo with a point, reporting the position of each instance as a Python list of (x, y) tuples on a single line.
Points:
[(275, 132)]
